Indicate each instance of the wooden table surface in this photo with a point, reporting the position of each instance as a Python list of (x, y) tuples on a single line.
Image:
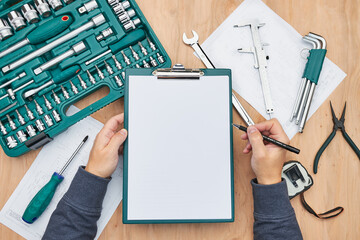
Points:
[(337, 182)]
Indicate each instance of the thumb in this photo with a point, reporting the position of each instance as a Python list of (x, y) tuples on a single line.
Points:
[(117, 140), (256, 140)]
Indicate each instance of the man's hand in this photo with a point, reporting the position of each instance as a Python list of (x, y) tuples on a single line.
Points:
[(267, 159), (104, 155)]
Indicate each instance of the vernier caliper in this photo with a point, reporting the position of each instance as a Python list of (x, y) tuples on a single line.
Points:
[(194, 43), (260, 61)]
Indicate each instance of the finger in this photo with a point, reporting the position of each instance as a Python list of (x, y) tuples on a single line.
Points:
[(247, 148), (109, 129), (117, 140), (256, 140), (244, 136), (273, 127)]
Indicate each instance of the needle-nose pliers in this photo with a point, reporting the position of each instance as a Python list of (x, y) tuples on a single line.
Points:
[(338, 125)]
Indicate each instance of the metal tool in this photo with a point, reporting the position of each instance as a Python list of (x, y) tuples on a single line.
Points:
[(16, 20), (49, 122), (146, 64), (56, 97), (205, 59), (30, 13), (118, 81), (311, 76), (42, 33), (160, 58), (40, 125), (117, 63), (3, 128), (38, 108), (65, 93), (5, 30), (271, 140), (11, 122), (126, 16), (21, 75), (135, 55), (21, 136), (121, 7), (63, 76), (29, 113), (101, 75), (126, 59), (55, 4), (113, 3), (75, 50), (82, 82), (143, 49), (11, 93), (43, 198), (11, 142), (153, 62), (88, 7), (68, 1), (91, 77), (131, 24), (47, 103), (130, 39), (8, 107), (260, 61), (31, 130), (21, 119), (104, 34), (43, 8), (94, 22), (56, 116), (152, 45), (74, 88), (338, 125), (108, 68)]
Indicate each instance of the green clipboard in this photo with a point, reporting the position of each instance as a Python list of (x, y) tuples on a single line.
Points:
[(178, 157)]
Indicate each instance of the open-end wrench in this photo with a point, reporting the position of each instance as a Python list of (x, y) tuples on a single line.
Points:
[(194, 43)]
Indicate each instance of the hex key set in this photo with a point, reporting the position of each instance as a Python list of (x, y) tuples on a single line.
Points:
[(55, 52)]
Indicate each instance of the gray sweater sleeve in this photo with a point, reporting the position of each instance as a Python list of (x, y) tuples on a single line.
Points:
[(274, 216), (77, 212)]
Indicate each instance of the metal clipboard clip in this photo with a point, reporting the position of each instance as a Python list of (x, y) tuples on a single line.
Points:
[(178, 71)]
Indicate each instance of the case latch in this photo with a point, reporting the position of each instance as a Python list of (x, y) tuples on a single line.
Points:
[(178, 72), (38, 141)]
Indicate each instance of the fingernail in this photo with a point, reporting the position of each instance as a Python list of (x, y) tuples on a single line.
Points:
[(251, 130), (123, 132)]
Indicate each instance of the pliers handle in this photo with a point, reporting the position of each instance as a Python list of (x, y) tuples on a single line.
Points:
[(351, 143)]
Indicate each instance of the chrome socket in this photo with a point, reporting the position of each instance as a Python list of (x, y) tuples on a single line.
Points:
[(108, 68), (130, 25), (11, 142), (143, 49), (20, 118), (82, 82), (153, 62), (38, 108), (29, 113), (16, 20), (118, 81), (135, 55), (56, 116), (5, 30), (66, 94), (48, 120), (3, 128), (100, 73), (104, 34), (160, 58), (91, 77), (47, 103), (126, 16), (40, 125), (30, 13), (113, 3), (11, 122), (121, 7), (43, 8), (88, 7), (56, 97), (146, 65), (31, 130), (117, 63), (126, 59), (21, 136), (55, 4), (74, 88)]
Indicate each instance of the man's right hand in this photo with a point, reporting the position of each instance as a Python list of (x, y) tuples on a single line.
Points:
[(267, 159)]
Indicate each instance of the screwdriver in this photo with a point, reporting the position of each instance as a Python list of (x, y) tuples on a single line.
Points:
[(42, 33), (63, 76), (43, 198), (130, 39)]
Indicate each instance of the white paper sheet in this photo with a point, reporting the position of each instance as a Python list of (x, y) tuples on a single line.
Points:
[(50, 159), (285, 66), (179, 158)]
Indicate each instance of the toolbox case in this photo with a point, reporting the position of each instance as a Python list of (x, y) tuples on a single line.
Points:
[(20, 132)]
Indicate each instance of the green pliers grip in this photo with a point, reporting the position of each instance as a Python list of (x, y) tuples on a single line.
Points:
[(322, 149), (314, 65), (351, 143), (42, 199)]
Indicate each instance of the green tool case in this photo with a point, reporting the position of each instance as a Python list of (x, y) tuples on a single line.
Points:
[(54, 53)]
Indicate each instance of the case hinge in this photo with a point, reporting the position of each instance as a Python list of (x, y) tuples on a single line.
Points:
[(178, 72)]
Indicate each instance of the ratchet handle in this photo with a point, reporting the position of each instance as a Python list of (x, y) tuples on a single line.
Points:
[(314, 65), (50, 29), (66, 74), (130, 39)]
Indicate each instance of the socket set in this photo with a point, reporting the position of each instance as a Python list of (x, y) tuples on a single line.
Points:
[(54, 53)]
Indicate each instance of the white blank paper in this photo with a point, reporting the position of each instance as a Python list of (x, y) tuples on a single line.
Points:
[(179, 149)]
